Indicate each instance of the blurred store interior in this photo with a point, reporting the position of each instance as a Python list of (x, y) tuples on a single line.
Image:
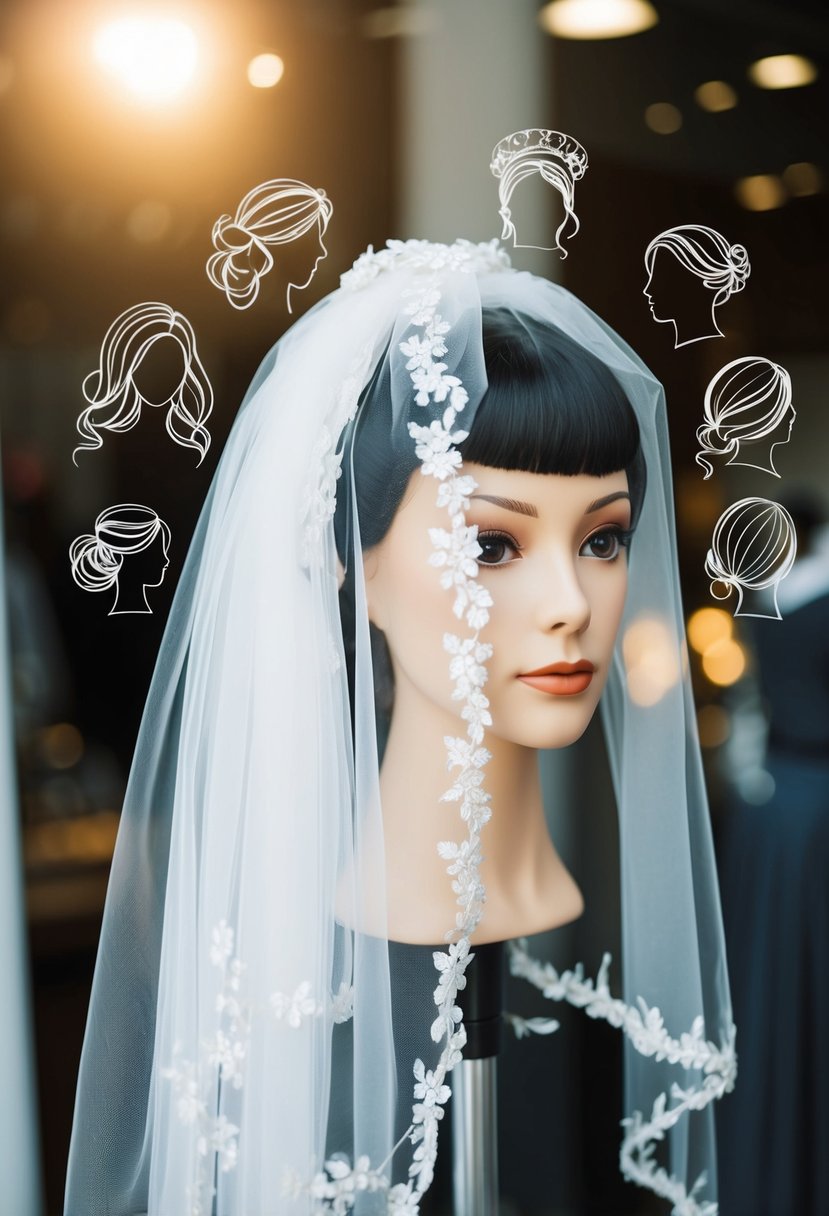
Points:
[(114, 174)]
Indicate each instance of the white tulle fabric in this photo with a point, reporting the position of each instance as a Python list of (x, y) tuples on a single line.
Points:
[(243, 1053)]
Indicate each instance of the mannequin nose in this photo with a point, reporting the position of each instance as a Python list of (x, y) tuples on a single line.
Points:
[(562, 604)]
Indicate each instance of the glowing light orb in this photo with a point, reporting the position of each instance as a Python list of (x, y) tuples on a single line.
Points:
[(597, 18), (153, 57), (265, 71)]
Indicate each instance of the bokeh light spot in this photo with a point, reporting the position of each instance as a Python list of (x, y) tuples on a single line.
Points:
[(761, 192), (724, 662), (663, 118), (715, 96), (782, 72), (708, 625), (265, 71), (803, 179)]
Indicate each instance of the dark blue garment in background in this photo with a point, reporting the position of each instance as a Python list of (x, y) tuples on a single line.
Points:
[(773, 1130)]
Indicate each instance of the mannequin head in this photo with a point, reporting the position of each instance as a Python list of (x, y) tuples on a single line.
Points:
[(554, 432)]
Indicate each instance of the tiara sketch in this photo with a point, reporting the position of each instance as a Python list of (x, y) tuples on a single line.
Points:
[(746, 402), (753, 548), (722, 268), (558, 158), (99, 558), (114, 399), (275, 212)]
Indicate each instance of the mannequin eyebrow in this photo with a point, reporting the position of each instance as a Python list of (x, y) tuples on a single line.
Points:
[(603, 502), (509, 504), (527, 508)]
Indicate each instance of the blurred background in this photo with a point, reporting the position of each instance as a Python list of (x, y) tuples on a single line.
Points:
[(118, 160)]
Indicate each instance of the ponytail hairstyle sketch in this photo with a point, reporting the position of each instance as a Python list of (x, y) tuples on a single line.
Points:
[(723, 267), (120, 531), (745, 401), (273, 213), (558, 158), (115, 401), (753, 547)]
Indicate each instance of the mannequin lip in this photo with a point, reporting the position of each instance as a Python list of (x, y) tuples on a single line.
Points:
[(561, 679), (561, 669)]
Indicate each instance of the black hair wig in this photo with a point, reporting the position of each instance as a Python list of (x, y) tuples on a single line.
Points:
[(550, 407)]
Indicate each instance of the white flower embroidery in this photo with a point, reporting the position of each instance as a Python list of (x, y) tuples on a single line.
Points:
[(297, 1008), (645, 1027), (428, 1088), (221, 946), (221, 1139), (342, 1004), (401, 1201)]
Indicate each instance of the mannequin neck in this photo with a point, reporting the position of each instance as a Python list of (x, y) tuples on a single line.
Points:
[(528, 887)]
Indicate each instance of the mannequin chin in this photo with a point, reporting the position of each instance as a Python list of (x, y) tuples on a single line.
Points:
[(557, 571)]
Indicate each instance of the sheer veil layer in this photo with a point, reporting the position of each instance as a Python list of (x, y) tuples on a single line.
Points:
[(244, 1053)]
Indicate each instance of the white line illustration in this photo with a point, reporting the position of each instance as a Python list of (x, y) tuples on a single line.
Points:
[(674, 297), (114, 398), (557, 158), (748, 401), (109, 556), (273, 213), (753, 549)]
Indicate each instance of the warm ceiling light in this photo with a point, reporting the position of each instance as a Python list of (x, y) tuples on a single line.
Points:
[(762, 192), (782, 72), (663, 118), (597, 18), (154, 57), (715, 96), (264, 71), (803, 179)]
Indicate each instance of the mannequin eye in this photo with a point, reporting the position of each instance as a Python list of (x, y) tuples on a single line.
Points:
[(606, 544), (499, 548)]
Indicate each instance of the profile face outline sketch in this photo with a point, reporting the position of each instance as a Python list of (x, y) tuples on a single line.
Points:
[(556, 157), (752, 549), (115, 400), (691, 270), (748, 404), (275, 212), (109, 556)]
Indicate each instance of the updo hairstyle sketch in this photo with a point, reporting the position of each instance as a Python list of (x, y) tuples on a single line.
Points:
[(746, 402), (99, 559), (720, 267), (557, 158), (273, 213), (115, 399), (753, 548)]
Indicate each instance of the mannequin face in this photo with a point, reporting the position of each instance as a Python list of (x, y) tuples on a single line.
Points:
[(557, 578)]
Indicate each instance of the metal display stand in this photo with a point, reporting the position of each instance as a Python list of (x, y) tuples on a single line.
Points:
[(474, 1087)]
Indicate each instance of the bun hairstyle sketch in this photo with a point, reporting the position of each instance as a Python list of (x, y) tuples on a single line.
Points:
[(753, 548), (721, 266), (120, 531), (114, 399), (273, 213), (744, 402)]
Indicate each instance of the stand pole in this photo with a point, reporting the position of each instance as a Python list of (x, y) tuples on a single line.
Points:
[(474, 1088)]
